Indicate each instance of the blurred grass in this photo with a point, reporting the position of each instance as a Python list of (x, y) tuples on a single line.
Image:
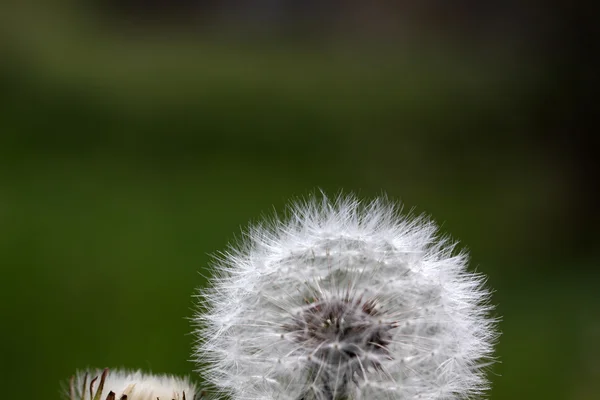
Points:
[(125, 161)]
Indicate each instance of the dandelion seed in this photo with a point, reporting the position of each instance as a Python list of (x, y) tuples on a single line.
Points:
[(345, 301)]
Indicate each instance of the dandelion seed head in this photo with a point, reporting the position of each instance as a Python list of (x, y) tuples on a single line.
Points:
[(129, 385), (342, 300)]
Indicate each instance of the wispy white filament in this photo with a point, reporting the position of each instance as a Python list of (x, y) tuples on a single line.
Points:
[(342, 301), (129, 385)]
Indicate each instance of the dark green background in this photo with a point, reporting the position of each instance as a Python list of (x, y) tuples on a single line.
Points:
[(127, 159)]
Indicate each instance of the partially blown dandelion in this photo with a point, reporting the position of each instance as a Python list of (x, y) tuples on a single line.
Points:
[(345, 301), (123, 385)]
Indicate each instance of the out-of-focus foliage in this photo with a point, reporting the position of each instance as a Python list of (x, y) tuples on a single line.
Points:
[(133, 142)]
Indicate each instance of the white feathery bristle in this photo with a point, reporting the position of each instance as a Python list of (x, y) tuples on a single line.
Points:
[(342, 300), (129, 385)]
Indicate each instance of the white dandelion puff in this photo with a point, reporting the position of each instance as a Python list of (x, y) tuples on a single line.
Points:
[(129, 385), (342, 301)]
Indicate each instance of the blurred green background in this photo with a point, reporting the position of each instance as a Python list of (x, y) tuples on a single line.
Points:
[(137, 138)]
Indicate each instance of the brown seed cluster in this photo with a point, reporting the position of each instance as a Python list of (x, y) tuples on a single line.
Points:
[(343, 338)]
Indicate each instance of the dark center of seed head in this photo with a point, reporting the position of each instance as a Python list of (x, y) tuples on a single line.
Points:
[(336, 331)]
